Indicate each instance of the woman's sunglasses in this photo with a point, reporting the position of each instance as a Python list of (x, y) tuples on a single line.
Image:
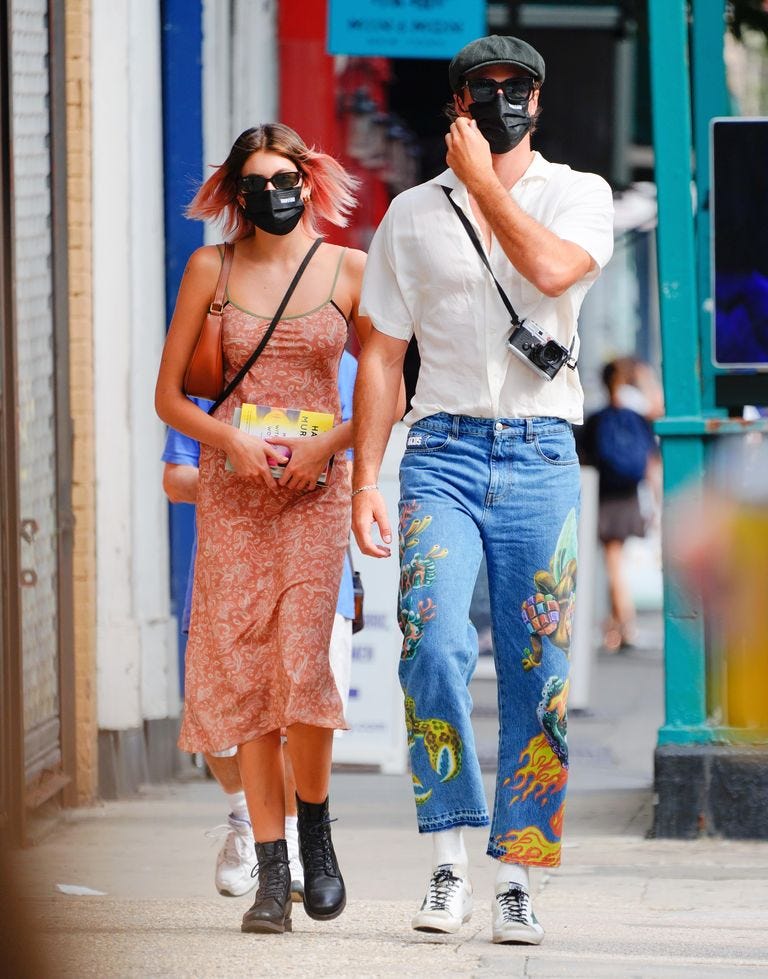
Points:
[(515, 89), (282, 180)]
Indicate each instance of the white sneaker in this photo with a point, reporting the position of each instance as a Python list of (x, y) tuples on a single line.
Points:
[(513, 918), (297, 871), (448, 902), (236, 862)]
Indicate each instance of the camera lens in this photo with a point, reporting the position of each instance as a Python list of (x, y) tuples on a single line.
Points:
[(549, 354)]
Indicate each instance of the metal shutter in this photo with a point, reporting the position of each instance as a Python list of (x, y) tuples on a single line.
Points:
[(36, 383)]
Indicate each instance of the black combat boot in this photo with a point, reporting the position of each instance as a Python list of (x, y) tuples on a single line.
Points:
[(271, 911), (324, 893)]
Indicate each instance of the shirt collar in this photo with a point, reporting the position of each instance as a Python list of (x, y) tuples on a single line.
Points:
[(538, 169)]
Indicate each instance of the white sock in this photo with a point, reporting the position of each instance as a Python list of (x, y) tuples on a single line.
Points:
[(237, 805), (292, 837), (448, 847), (291, 828), (512, 873)]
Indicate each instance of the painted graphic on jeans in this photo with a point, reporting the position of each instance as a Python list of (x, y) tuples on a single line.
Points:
[(416, 573), (553, 716), (420, 797), (441, 741), (530, 847), (542, 775), (543, 770), (548, 612)]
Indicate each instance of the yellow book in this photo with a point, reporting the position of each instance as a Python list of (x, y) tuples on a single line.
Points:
[(266, 421)]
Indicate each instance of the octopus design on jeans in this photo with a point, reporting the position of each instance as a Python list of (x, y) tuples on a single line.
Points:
[(412, 626), (419, 572), (441, 741), (408, 532)]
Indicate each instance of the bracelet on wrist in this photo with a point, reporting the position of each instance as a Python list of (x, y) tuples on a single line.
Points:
[(362, 489)]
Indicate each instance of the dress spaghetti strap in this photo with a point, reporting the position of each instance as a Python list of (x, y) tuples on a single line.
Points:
[(336, 277)]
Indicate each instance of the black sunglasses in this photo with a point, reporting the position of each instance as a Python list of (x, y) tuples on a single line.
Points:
[(516, 89), (282, 180)]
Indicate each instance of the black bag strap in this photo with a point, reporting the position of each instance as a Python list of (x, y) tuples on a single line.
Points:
[(483, 257), (270, 329)]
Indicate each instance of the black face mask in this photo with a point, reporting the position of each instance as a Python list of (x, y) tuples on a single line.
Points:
[(502, 124), (275, 211)]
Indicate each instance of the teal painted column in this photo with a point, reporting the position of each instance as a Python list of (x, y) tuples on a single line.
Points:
[(682, 444), (710, 99)]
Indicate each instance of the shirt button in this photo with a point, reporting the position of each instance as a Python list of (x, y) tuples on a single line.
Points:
[(498, 426)]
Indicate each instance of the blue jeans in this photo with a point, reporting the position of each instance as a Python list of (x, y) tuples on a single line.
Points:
[(509, 488)]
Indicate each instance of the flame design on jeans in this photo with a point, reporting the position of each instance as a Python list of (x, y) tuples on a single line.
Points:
[(556, 822), (529, 846), (540, 773)]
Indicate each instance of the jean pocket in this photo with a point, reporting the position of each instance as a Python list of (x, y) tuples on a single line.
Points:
[(557, 448), (422, 440)]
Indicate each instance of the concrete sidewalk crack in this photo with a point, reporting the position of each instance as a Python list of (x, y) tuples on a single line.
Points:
[(460, 945)]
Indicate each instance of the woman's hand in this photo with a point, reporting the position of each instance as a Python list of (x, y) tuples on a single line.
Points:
[(250, 456), (308, 457)]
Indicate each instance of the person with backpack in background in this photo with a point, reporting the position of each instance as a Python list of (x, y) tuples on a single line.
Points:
[(618, 441)]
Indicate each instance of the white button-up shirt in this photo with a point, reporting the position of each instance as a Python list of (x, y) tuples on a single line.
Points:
[(424, 278)]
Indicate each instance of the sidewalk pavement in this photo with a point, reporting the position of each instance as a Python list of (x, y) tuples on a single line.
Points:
[(621, 905)]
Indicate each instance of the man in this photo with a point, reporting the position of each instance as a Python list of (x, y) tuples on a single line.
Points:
[(236, 860), (489, 466)]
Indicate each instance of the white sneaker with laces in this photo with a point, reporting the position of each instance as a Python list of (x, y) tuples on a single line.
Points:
[(297, 871), (448, 901), (513, 919), (236, 861)]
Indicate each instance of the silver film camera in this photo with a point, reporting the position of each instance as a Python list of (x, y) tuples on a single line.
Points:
[(540, 351)]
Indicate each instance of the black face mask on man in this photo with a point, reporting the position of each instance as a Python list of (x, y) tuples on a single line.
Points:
[(504, 125), (275, 211)]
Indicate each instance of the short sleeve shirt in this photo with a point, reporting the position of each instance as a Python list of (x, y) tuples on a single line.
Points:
[(423, 278)]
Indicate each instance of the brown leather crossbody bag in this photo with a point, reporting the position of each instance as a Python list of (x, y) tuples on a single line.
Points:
[(205, 372)]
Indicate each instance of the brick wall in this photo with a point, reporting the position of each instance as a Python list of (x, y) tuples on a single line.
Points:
[(78, 30)]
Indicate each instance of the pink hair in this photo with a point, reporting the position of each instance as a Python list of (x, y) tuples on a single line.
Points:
[(332, 189)]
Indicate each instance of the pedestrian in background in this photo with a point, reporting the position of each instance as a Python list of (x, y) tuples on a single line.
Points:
[(489, 467), (618, 441), (235, 872), (270, 552)]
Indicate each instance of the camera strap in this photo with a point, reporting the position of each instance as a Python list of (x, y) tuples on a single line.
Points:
[(481, 252), (484, 259)]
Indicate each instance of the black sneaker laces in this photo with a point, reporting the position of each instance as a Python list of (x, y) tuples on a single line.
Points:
[(441, 888), (317, 852), (515, 906)]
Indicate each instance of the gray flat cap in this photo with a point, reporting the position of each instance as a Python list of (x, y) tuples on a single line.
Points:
[(495, 50)]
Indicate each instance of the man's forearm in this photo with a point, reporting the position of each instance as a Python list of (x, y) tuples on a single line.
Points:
[(545, 260), (376, 399)]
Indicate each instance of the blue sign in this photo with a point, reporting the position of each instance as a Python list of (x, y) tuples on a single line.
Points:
[(403, 28)]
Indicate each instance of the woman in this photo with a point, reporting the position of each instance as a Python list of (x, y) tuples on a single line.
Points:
[(270, 551), (618, 441)]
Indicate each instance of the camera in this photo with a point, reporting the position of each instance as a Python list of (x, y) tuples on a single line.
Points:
[(539, 351)]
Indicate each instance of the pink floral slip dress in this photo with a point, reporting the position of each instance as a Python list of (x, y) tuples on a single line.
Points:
[(268, 565)]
